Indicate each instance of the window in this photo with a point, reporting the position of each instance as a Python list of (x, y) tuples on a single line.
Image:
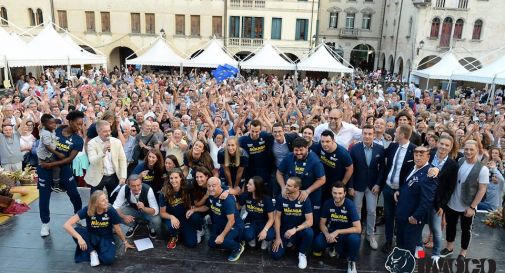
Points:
[(40, 17), (234, 26), (62, 19), (477, 29), (463, 4), (276, 28), (180, 25), (301, 29), (367, 21), (349, 21), (105, 21), (150, 23), (3, 15), (217, 26), (252, 27), (195, 25), (135, 22), (440, 3), (333, 19), (90, 21), (435, 27), (31, 16), (445, 37), (458, 29)]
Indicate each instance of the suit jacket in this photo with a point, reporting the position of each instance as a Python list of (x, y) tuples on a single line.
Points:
[(416, 196), (407, 165), (447, 179), (367, 175), (95, 153)]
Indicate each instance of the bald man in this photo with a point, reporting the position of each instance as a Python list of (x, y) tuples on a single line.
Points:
[(344, 132)]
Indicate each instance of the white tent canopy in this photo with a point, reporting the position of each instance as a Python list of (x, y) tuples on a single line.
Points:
[(267, 58), (322, 60), (10, 44), (49, 48), (492, 73), (443, 70), (158, 54), (212, 56), (92, 58)]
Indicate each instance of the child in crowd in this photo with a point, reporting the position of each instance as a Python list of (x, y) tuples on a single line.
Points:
[(46, 152)]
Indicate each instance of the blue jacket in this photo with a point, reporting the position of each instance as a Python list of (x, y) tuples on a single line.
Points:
[(367, 176), (416, 196)]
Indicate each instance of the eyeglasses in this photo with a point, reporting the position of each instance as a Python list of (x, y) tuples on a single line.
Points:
[(334, 118)]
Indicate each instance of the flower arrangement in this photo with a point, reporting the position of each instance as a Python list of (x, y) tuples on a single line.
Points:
[(25, 177), (495, 219)]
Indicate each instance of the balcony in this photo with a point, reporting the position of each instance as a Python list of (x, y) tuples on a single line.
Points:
[(349, 33), (248, 42), (247, 3)]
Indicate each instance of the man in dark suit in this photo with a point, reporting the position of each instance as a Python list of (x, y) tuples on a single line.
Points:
[(399, 162), (415, 200), (368, 160), (405, 118)]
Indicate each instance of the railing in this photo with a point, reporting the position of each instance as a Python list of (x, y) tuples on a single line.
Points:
[(247, 3), (252, 42), (349, 32)]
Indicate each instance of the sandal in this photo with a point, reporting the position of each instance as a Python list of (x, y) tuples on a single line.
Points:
[(428, 242)]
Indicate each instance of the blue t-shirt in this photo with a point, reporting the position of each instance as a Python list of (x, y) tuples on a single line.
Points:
[(65, 145), (339, 217), (293, 212), (309, 170), (176, 207), (257, 211), (258, 150), (334, 164), (149, 178), (100, 224), (219, 210), (244, 162)]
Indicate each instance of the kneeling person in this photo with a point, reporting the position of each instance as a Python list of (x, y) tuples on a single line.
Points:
[(292, 222), (340, 226), (136, 204), (226, 222)]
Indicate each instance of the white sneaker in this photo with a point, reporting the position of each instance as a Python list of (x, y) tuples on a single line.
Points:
[(302, 261), (264, 245), (94, 258), (332, 252), (252, 243), (373, 243), (199, 235), (351, 267), (44, 230)]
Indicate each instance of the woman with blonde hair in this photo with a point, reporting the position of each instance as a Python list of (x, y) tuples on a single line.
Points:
[(233, 160), (95, 242)]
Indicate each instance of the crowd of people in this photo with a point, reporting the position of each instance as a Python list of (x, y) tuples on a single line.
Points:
[(292, 164)]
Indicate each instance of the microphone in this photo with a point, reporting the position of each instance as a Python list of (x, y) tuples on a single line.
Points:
[(107, 141)]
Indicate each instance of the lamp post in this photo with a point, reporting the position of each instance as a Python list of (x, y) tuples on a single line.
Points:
[(421, 45)]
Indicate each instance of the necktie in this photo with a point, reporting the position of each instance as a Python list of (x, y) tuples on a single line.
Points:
[(395, 164)]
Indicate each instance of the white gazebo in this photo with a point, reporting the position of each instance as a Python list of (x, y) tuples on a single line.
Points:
[(443, 70), (158, 54), (212, 56), (493, 73), (321, 59), (268, 58), (49, 48)]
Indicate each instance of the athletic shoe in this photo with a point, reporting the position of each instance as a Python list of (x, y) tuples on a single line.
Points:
[(252, 243), (131, 231), (302, 261), (317, 254), (44, 230), (446, 252), (373, 243), (332, 253), (152, 232), (351, 267), (264, 245), (93, 256), (172, 243), (56, 189), (235, 255), (199, 235)]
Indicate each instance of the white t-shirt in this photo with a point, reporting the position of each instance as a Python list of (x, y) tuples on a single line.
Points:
[(463, 172)]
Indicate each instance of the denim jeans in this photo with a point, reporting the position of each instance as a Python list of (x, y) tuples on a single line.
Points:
[(371, 205), (435, 222), (153, 221)]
